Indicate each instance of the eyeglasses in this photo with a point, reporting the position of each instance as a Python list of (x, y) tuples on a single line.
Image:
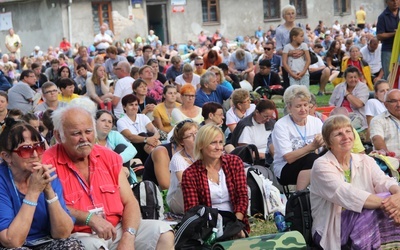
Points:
[(268, 49), (51, 92), (26, 151), (393, 101), (199, 64), (189, 96), (246, 101), (190, 135), (181, 123), (32, 76)]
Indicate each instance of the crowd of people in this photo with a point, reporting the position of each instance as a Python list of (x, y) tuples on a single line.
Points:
[(74, 120)]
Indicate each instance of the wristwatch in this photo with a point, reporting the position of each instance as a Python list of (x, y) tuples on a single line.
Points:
[(131, 230), (145, 140)]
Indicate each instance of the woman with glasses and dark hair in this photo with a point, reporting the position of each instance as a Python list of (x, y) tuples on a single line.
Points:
[(184, 135), (215, 179), (187, 110), (212, 112), (33, 211)]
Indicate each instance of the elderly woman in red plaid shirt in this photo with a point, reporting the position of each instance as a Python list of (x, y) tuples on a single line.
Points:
[(215, 179)]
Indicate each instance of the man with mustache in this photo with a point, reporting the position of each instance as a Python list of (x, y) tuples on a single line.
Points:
[(96, 191)]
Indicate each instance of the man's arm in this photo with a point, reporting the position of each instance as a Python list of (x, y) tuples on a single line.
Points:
[(379, 143)]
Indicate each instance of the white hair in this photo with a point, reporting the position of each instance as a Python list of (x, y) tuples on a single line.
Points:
[(58, 117)]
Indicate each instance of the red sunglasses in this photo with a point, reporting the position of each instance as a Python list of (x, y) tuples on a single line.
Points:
[(26, 151)]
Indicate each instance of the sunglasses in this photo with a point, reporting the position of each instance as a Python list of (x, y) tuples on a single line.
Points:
[(267, 49), (26, 151), (199, 64)]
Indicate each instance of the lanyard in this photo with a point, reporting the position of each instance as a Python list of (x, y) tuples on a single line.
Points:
[(269, 80), (395, 123), (188, 156), (304, 137), (211, 95), (15, 188), (88, 191)]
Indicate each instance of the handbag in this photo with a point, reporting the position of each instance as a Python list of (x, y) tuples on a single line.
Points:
[(314, 57)]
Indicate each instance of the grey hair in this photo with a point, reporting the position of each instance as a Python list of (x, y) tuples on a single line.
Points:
[(205, 78), (58, 118), (296, 91), (287, 8)]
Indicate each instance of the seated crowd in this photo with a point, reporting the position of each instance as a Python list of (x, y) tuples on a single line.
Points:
[(71, 129)]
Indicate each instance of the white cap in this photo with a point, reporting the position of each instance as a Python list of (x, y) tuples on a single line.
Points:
[(328, 32), (37, 48)]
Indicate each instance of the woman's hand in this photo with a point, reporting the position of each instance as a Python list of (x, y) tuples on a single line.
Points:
[(40, 178), (149, 108), (317, 142)]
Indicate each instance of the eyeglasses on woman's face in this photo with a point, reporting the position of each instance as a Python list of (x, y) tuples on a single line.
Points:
[(26, 151)]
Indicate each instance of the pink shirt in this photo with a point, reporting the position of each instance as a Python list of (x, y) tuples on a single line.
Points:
[(329, 193), (104, 167)]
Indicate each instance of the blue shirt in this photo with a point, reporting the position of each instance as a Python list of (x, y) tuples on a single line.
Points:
[(219, 95), (11, 203), (387, 23)]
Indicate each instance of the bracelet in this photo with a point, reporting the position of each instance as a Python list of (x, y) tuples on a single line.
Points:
[(30, 203), (55, 198), (88, 218)]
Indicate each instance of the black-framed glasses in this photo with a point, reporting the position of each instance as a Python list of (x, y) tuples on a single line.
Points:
[(268, 49), (189, 96), (181, 123), (26, 151)]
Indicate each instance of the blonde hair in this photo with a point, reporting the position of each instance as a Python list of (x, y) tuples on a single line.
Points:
[(204, 137), (221, 73), (331, 124)]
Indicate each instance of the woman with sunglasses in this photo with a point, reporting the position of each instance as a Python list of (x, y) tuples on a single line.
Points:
[(184, 134), (33, 211), (215, 179), (187, 110)]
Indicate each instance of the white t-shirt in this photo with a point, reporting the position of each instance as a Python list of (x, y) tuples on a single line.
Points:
[(256, 135), (100, 37), (287, 138), (373, 59), (295, 64), (137, 127), (123, 87), (195, 80), (175, 196), (232, 118), (374, 107)]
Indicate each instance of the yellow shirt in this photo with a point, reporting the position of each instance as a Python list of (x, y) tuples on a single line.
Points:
[(67, 99), (360, 16), (358, 146)]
